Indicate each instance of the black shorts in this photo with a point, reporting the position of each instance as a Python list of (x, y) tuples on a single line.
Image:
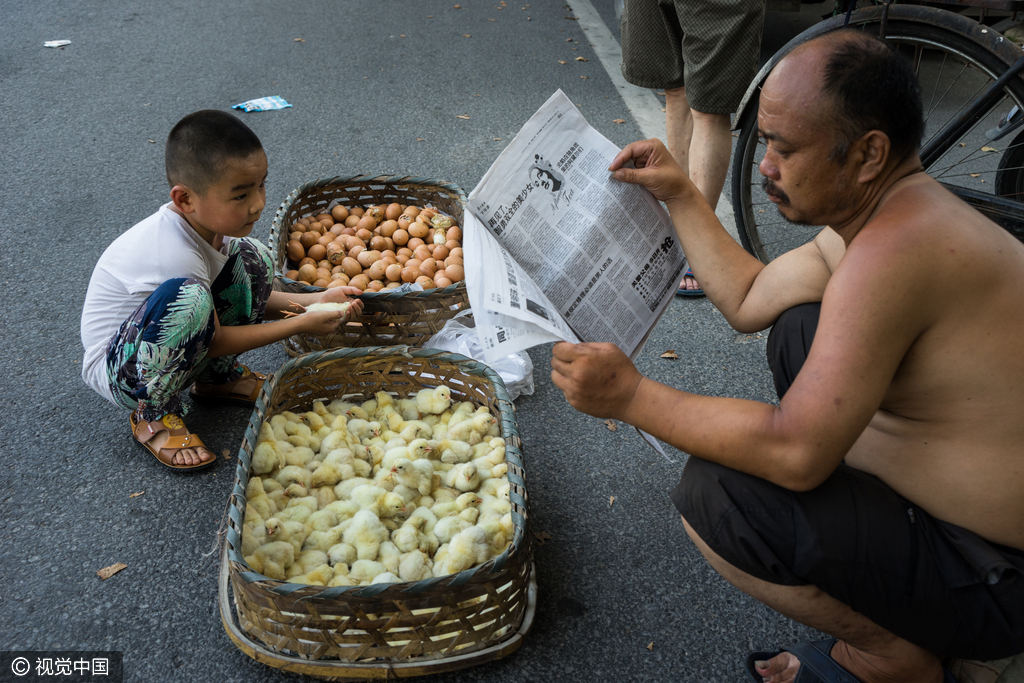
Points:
[(934, 584)]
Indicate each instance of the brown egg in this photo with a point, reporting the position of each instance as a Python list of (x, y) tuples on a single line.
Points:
[(356, 249), (388, 227), (325, 264), (357, 211), (393, 272), (317, 252), (393, 211), (410, 274), (336, 283), (440, 252), (292, 274), (367, 257), (301, 225), (442, 281), (337, 269), (326, 220), (364, 234), (375, 286), (426, 214), (428, 267), (321, 283), (457, 251), (402, 258), (316, 226), (348, 231), (326, 238), (400, 237), (422, 252), (425, 282), (359, 282), (452, 261), (295, 250), (337, 229), (404, 222), (352, 266), (454, 233), (307, 260), (339, 213), (414, 242), (342, 278), (392, 285), (412, 211), (294, 235), (404, 250), (335, 253), (376, 270), (388, 260), (417, 229), (367, 222), (455, 272), (390, 243), (413, 263), (308, 239), (452, 244), (379, 243), (307, 273), (352, 221), (385, 253)]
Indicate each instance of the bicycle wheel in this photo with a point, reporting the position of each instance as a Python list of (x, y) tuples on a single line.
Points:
[(956, 59)]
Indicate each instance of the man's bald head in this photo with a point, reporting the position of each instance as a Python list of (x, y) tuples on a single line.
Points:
[(863, 85)]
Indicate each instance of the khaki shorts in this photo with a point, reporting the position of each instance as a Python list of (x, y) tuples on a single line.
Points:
[(710, 46)]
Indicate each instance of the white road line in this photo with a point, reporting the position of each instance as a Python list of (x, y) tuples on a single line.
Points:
[(641, 102)]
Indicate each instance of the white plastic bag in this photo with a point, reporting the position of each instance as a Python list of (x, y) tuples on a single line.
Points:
[(459, 336)]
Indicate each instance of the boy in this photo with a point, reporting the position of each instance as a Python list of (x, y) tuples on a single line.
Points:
[(173, 301)]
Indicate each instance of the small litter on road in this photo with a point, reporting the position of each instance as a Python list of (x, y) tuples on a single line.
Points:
[(56, 43), (262, 104), (107, 572)]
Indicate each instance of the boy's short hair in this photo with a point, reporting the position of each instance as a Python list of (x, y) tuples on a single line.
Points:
[(200, 144)]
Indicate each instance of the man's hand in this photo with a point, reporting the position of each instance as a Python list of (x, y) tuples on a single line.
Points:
[(656, 170), (597, 379)]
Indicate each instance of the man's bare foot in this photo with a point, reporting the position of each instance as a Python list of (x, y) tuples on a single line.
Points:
[(689, 282), (182, 448), (864, 667)]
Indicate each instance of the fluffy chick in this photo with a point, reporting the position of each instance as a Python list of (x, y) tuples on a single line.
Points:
[(320, 576), (473, 429), (464, 477), (417, 449), (454, 507), (365, 534), (468, 548), (415, 565), (293, 474), (272, 559), (453, 451), (363, 571), (433, 401), (418, 474), (293, 533), (342, 553)]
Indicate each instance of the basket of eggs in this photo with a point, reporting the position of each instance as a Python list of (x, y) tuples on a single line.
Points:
[(379, 526), (385, 235)]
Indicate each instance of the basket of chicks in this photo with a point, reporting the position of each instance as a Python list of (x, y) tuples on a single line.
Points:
[(379, 526), (385, 235)]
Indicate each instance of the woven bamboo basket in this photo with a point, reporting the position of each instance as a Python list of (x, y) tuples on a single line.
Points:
[(388, 319), (381, 631)]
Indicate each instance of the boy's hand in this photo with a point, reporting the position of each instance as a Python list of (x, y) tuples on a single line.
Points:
[(341, 295), (323, 322), (597, 378)]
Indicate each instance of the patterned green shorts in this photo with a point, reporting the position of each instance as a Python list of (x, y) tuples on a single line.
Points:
[(710, 46)]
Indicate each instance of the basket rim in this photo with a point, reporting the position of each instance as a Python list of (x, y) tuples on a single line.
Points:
[(305, 287), (494, 566)]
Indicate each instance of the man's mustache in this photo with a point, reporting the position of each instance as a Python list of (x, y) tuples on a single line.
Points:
[(769, 186)]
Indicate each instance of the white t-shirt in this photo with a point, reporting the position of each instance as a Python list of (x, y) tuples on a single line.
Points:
[(157, 249)]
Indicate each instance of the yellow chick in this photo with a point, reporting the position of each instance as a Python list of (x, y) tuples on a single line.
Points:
[(314, 420), (386, 577), (256, 496), (415, 429), (342, 554), (324, 496), (293, 533), (447, 527), (447, 509), (363, 571), (254, 534), (417, 449), (293, 474), (430, 519), (306, 561), (265, 456), (341, 579), (323, 540), (388, 555), (407, 537), (330, 473), (415, 565), (471, 430), (344, 489), (322, 520), (434, 400), (453, 451), (494, 487), (463, 477), (365, 533), (407, 407), (468, 548), (272, 559), (418, 474), (344, 509), (333, 441), (320, 576)]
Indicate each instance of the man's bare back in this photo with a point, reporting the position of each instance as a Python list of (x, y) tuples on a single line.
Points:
[(949, 433)]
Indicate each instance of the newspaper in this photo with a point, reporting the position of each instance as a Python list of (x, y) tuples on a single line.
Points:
[(556, 249)]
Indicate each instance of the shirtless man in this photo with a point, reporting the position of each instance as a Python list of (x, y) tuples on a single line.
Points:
[(882, 500)]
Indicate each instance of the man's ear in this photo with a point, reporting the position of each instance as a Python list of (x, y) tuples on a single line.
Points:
[(874, 147), (183, 199)]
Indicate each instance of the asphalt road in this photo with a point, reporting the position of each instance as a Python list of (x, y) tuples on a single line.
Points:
[(376, 87)]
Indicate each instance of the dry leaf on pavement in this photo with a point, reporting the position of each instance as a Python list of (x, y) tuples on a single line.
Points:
[(651, 646), (136, 495), (581, 59), (461, 116), (107, 572), (618, 120), (989, 149), (610, 424), (670, 354), (542, 537), (611, 501)]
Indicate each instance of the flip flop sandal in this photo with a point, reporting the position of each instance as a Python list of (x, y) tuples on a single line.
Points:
[(175, 442), (816, 664), (236, 399), (682, 291)]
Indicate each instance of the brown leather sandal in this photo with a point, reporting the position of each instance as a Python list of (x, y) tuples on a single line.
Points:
[(228, 397), (178, 438)]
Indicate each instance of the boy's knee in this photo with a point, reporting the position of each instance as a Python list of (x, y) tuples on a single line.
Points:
[(183, 294)]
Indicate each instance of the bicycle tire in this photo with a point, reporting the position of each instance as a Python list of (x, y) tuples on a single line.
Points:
[(1010, 176), (930, 35)]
